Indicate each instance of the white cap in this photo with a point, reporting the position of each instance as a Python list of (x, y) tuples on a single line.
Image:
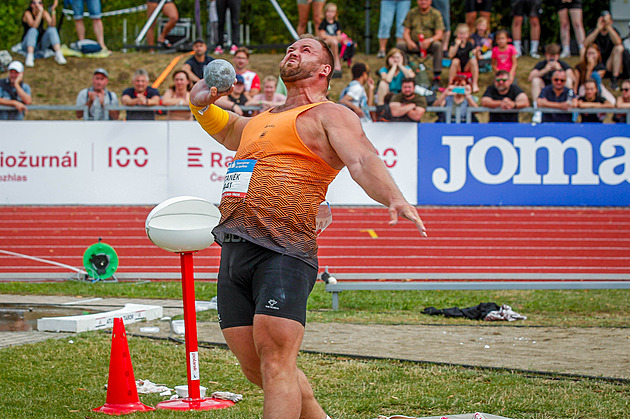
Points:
[(17, 66)]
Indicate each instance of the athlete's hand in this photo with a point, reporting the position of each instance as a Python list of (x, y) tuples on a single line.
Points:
[(201, 95), (405, 210)]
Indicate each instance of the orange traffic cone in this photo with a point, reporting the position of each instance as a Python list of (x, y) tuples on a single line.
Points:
[(122, 394)]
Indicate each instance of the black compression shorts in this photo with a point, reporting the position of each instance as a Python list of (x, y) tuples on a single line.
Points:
[(255, 280)]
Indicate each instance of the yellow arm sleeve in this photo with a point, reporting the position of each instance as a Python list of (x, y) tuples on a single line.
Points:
[(211, 118)]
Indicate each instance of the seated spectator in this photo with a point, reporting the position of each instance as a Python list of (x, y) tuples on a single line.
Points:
[(355, 96), (540, 76), (592, 99), (97, 96), (268, 98), (591, 66), (14, 92), (463, 58), (504, 55), (557, 96), (505, 95), (610, 47), (37, 39), (623, 102), (252, 81), (423, 31), (482, 39), (392, 74), (141, 94), (236, 99), (178, 95), (408, 106), (457, 95), (194, 65), (330, 31)]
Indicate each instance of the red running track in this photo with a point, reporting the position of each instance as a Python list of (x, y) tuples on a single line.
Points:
[(480, 243)]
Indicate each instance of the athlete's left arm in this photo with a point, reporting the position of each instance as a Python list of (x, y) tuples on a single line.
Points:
[(348, 140)]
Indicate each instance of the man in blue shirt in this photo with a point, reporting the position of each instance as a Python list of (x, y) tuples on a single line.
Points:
[(194, 65), (141, 94), (14, 92), (557, 96)]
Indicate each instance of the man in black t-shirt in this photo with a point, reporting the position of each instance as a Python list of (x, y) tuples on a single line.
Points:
[(194, 65), (540, 76), (503, 94)]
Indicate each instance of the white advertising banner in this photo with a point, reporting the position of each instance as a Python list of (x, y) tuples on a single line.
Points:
[(146, 162)]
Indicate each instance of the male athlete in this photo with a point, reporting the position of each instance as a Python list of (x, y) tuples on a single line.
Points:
[(285, 159)]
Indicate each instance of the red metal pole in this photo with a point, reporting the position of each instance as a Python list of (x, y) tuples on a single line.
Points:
[(190, 322)]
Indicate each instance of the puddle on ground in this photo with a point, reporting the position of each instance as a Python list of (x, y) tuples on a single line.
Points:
[(23, 318)]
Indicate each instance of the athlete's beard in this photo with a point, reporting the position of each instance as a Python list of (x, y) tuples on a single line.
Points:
[(295, 73)]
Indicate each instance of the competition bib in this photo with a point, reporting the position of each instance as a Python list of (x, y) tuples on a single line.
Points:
[(237, 179)]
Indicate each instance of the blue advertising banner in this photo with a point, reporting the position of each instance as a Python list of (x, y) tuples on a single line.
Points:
[(518, 164)]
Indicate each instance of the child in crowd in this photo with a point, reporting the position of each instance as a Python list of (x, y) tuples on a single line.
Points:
[(482, 39), (592, 99), (504, 55), (463, 57), (458, 95), (330, 31), (392, 74)]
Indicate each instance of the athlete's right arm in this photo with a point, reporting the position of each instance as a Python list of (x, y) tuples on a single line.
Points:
[(224, 126)]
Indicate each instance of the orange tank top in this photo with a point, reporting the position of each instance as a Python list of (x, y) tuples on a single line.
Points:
[(274, 187)]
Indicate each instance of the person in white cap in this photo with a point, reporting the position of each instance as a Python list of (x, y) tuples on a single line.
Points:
[(97, 96), (37, 39), (14, 92)]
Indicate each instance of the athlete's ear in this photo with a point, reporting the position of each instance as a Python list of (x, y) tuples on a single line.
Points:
[(326, 70)]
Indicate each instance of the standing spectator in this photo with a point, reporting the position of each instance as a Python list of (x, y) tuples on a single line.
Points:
[(252, 81), (610, 47), (504, 55), (304, 6), (483, 7), (540, 76), (505, 95), (268, 98), (355, 96), (571, 8), (36, 39), (531, 9), (392, 74), (234, 6), (444, 7), (14, 92), (194, 65), (457, 95), (423, 33), (178, 95), (141, 94), (97, 96), (170, 10), (330, 31), (94, 9), (592, 99), (463, 58), (389, 10), (408, 106), (557, 96), (623, 102)]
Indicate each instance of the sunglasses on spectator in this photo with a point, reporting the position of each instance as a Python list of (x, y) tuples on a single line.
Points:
[(501, 80), (559, 79), (625, 89)]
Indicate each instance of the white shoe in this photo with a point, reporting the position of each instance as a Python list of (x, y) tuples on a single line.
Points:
[(60, 59), (30, 60), (534, 54), (565, 53)]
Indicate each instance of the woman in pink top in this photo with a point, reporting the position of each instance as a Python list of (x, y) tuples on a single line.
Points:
[(504, 55)]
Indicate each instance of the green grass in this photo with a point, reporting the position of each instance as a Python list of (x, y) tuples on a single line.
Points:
[(65, 378), (542, 307)]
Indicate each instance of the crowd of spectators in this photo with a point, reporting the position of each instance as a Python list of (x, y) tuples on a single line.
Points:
[(403, 88)]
